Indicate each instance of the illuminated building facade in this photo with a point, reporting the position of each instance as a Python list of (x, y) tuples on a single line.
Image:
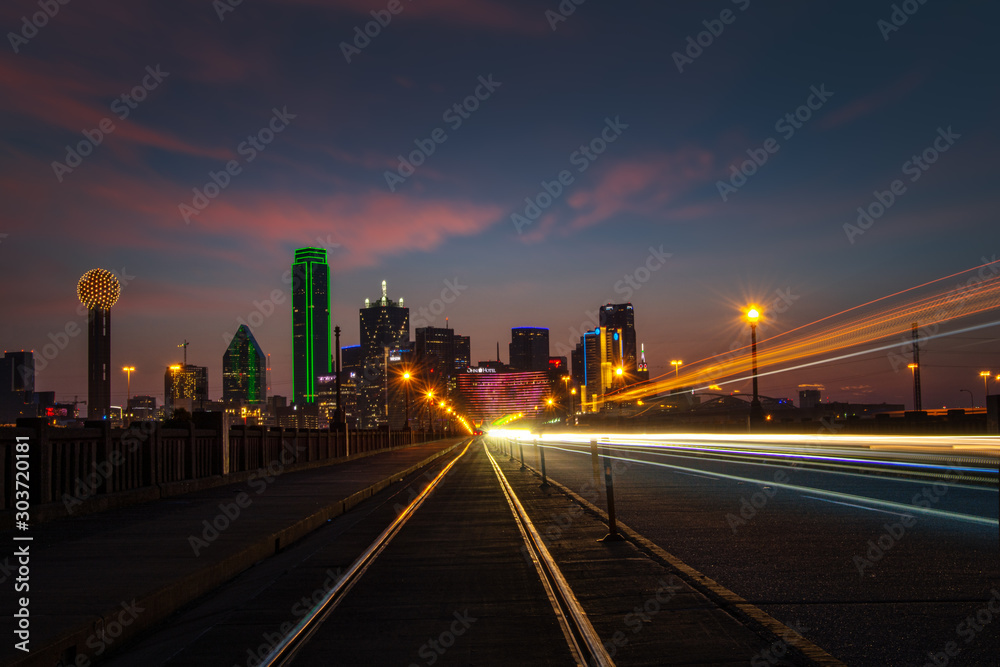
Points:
[(385, 337), (185, 386), (486, 395), (463, 353), (310, 322), (529, 349), (621, 317), (244, 370)]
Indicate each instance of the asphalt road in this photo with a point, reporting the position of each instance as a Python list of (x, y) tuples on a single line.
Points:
[(874, 583)]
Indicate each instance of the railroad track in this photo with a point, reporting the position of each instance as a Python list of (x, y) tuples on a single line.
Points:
[(582, 640)]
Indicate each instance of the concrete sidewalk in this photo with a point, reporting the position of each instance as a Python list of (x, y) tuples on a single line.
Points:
[(104, 577)]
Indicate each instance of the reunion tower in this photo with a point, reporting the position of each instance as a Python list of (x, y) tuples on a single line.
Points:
[(98, 290)]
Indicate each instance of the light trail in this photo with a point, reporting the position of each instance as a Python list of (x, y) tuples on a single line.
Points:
[(830, 334), (965, 462)]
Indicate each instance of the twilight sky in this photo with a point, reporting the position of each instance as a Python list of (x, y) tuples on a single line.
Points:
[(639, 123)]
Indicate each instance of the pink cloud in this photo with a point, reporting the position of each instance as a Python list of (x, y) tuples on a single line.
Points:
[(871, 103), (643, 186)]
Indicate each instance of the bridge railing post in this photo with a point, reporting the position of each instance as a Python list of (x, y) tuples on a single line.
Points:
[(609, 485), (541, 460)]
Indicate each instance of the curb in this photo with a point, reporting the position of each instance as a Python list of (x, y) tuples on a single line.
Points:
[(747, 613)]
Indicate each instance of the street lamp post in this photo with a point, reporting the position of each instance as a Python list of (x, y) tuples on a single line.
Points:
[(915, 368), (972, 401), (406, 406), (676, 363), (986, 386), (756, 413)]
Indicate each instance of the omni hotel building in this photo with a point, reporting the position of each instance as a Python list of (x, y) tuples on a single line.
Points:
[(487, 394)]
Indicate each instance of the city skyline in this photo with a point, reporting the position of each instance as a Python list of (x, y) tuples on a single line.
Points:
[(564, 177)]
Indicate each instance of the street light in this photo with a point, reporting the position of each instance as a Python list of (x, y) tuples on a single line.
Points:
[(128, 383), (753, 315), (986, 387), (430, 403), (406, 409), (916, 387), (676, 363)]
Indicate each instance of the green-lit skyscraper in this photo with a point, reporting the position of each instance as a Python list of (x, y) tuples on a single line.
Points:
[(244, 370), (310, 322)]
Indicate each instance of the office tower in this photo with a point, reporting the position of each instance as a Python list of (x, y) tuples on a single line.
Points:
[(98, 290), (310, 322), (434, 351), (463, 353), (576, 360), (592, 381), (529, 349), (244, 369), (185, 386), (621, 316), (439, 356), (17, 385), (385, 335)]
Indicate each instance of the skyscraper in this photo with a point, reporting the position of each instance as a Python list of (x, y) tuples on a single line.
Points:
[(385, 336), (529, 349), (185, 386), (244, 369), (621, 316), (310, 322)]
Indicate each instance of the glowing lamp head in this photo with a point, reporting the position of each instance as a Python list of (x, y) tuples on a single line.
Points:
[(911, 366), (753, 315), (619, 370), (406, 376), (98, 289), (985, 374)]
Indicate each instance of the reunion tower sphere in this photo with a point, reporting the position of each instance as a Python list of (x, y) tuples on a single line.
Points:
[(98, 289)]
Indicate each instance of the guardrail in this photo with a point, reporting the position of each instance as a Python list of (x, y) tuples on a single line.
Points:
[(89, 469)]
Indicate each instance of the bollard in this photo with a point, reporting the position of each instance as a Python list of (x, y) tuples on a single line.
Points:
[(594, 461), (520, 446), (609, 484), (541, 458)]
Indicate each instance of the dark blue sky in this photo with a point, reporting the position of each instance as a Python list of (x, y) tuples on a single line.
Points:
[(322, 178)]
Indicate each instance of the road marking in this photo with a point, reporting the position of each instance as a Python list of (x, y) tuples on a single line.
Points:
[(860, 507)]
